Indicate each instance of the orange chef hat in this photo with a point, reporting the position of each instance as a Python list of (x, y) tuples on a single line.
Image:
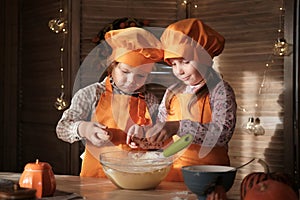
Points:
[(191, 39), (134, 46)]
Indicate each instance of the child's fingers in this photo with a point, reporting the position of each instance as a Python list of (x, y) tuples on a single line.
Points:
[(133, 145), (100, 125), (98, 139), (130, 133), (102, 136)]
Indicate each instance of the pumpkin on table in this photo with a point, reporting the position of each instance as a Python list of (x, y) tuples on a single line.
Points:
[(271, 190), (255, 178), (39, 176)]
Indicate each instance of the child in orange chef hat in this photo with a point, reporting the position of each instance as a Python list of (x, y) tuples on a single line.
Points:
[(101, 113), (202, 103)]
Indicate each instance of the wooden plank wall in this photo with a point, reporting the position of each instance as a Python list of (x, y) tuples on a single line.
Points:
[(250, 28), (9, 61), (96, 14)]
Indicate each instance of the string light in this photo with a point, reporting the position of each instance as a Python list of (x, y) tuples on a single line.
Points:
[(59, 25), (281, 47), (187, 5), (253, 125)]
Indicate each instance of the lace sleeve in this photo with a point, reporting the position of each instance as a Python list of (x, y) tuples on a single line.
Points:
[(162, 110), (219, 131), (152, 104)]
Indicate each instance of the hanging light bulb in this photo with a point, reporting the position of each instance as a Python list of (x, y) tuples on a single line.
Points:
[(253, 126), (61, 103), (259, 130), (188, 6), (281, 47), (58, 25), (250, 126)]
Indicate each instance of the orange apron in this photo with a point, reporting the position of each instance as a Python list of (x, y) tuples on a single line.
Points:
[(200, 112), (118, 112)]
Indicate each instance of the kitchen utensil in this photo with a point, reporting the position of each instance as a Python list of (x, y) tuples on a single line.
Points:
[(202, 179), (130, 170), (178, 145), (243, 165), (141, 170), (170, 150)]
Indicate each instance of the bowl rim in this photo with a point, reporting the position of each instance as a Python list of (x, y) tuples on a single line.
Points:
[(136, 162), (188, 168)]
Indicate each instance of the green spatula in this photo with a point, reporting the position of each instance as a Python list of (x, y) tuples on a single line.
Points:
[(178, 145)]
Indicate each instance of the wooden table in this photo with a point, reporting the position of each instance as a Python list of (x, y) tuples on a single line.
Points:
[(100, 188)]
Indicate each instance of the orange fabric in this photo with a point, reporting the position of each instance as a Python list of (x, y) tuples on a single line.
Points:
[(200, 111), (118, 112), (217, 156), (134, 46), (191, 39)]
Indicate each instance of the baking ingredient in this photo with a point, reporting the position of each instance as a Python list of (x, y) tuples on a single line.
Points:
[(136, 180), (132, 170)]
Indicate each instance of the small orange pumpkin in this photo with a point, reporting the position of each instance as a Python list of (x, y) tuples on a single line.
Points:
[(39, 176), (254, 178), (271, 190)]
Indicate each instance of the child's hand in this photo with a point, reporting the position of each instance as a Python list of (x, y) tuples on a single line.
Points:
[(135, 132), (162, 131), (136, 138), (218, 194), (96, 133)]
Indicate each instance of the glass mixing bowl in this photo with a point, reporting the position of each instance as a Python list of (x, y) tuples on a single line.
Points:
[(135, 170)]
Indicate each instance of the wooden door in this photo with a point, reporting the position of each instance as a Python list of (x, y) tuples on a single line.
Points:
[(39, 86)]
